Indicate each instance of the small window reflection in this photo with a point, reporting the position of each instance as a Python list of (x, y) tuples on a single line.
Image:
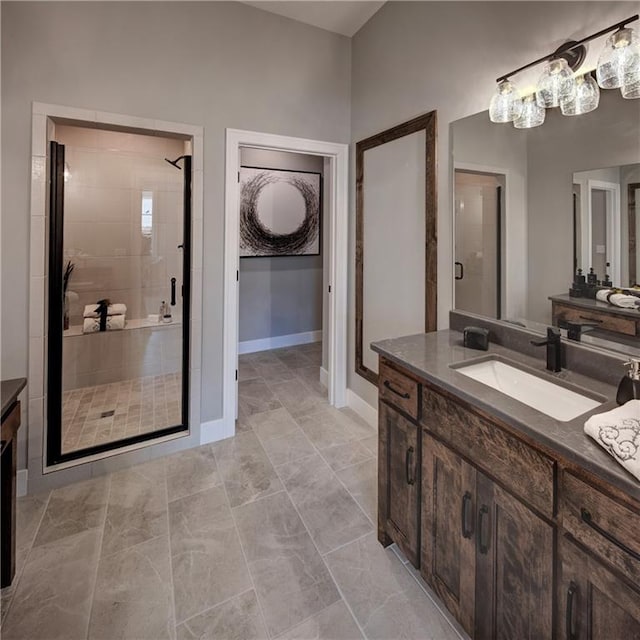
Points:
[(146, 216)]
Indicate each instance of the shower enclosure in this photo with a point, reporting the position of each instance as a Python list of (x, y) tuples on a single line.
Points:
[(118, 301)]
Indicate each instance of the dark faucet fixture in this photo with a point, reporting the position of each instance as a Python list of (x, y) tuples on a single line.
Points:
[(554, 349), (576, 329)]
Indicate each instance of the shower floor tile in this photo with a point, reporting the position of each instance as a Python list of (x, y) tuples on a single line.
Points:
[(110, 412)]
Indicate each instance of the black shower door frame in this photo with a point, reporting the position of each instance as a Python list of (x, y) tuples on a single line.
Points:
[(54, 454)]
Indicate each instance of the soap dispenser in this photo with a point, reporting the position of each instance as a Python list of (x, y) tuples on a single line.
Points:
[(629, 387)]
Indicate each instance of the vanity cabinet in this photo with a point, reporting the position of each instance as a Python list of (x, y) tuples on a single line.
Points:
[(488, 556), (399, 463), (515, 539), (593, 602), (448, 545)]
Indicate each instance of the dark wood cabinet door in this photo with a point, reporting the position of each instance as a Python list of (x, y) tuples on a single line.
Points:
[(593, 602), (514, 567), (399, 482), (447, 560)]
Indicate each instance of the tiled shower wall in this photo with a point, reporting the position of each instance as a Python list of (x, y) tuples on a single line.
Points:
[(113, 356), (108, 172)]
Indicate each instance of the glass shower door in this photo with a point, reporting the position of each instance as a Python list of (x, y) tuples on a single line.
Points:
[(120, 226)]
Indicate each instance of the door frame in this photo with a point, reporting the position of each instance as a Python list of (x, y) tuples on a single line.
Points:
[(41, 475), (513, 239), (614, 253), (336, 213)]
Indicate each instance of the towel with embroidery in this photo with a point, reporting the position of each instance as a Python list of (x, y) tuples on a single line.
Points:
[(618, 432)]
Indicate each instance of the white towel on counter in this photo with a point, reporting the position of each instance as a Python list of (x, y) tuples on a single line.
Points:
[(621, 300), (117, 309), (114, 323), (618, 431)]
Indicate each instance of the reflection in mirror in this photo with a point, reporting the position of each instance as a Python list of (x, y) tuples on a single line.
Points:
[(561, 211), (395, 237), (604, 223)]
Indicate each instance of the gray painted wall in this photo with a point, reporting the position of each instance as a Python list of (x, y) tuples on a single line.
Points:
[(413, 57), (280, 296), (215, 64)]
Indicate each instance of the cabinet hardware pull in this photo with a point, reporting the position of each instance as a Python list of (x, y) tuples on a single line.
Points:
[(408, 464), (570, 627), (586, 517), (173, 292), (405, 396), (484, 546), (467, 531), (591, 319)]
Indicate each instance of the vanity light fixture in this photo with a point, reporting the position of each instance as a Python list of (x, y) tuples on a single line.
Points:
[(586, 97), (532, 114), (575, 94)]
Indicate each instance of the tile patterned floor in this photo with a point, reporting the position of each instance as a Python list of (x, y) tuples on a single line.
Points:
[(110, 412), (267, 535)]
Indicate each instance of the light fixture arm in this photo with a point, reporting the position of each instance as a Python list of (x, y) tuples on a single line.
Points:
[(570, 46)]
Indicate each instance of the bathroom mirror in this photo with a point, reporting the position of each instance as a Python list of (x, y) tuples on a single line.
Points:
[(396, 252), (541, 226)]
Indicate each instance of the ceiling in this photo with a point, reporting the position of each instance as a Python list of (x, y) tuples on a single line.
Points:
[(340, 17)]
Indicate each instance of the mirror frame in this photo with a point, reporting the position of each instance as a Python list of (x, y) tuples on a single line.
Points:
[(428, 124), (632, 187)]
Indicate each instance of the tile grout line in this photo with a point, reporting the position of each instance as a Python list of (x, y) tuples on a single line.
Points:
[(99, 558), (172, 588), (335, 583), (244, 555), (26, 561)]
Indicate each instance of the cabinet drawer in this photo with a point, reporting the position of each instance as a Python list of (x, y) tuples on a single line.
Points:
[(399, 389), (527, 472), (607, 321), (602, 524)]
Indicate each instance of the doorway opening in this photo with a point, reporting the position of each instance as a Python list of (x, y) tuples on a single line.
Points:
[(479, 224), (334, 159)]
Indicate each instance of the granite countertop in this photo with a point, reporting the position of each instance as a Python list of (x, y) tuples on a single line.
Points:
[(596, 305), (10, 390), (429, 356)]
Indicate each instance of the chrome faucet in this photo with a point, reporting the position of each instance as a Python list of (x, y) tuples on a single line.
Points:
[(554, 349)]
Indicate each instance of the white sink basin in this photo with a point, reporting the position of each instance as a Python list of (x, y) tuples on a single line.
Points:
[(547, 397)]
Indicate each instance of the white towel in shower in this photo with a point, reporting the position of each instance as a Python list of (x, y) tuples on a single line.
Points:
[(618, 432), (114, 323), (117, 309)]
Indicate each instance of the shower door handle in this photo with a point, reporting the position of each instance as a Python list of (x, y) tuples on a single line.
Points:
[(459, 264), (173, 292)]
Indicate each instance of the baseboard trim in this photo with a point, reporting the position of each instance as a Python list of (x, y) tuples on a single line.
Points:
[(277, 342), (22, 482), (362, 408), (215, 430), (324, 377)]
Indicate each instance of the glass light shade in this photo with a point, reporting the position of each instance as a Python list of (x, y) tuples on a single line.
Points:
[(532, 114), (619, 60), (631, 89), (555, 84), (586, 98), (506, 104)]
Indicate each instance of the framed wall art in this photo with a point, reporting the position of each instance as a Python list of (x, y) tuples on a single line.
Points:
[(279, 213)]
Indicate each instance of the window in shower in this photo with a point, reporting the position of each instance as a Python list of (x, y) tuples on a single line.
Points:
[(119, 253)]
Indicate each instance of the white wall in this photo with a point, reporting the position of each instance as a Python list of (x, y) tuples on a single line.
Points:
[(213, 64), (283, 295), (413, 57)]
